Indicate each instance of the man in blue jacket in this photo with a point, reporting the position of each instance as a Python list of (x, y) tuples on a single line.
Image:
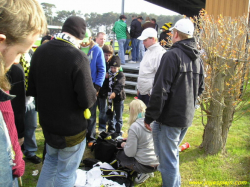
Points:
[(178, 82), (98, 72)]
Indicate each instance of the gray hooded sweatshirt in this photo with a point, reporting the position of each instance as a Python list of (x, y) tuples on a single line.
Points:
[(140, 144)]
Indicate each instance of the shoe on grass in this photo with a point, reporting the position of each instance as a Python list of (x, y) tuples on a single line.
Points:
[(34, 159), (142, 177)]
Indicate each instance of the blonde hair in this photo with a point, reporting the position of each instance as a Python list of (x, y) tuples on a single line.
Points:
[(182, 35), (20, 18), (135, 107)]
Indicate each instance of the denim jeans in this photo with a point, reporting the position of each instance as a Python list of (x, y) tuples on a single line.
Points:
[(92, 124), (102, 106), (30, 122), (121, 53), (115, 125), (142, 50), (59, 168), (135, 49), (5, 158), (126, 45), (166, 143)]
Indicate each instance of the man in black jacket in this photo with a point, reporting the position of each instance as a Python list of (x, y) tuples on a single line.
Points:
[(135, 32), (177, 84), (60, 80)]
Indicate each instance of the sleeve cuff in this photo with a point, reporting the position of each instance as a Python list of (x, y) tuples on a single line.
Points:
[(97, 87)]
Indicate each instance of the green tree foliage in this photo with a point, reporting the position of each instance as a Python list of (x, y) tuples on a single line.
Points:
[(48, 10), (108, 19)]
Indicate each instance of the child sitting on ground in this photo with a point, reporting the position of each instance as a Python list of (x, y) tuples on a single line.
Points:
[(138, 150), (116, 96)]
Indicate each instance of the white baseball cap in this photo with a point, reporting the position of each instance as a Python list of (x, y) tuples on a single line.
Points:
[(149, 32), (184, 25)]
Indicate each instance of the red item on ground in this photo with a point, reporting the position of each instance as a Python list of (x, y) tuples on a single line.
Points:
[(184, 146)]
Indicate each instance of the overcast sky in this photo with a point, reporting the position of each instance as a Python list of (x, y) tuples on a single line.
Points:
[(103, 6)]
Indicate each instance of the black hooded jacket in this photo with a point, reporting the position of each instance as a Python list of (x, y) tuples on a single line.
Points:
[(178, 82)]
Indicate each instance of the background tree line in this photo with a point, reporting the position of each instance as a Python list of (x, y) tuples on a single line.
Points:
[(94, 20)]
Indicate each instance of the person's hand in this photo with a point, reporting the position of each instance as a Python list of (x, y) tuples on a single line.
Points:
[(20, 141), (123, 144), (112, 96), (148, 126), (107, 75), (97, 94)]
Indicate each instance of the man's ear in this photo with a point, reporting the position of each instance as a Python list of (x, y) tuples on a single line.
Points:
[(2, 42), (2, 37)]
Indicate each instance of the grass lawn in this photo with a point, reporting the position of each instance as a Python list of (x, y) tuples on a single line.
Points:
[(231, 169)]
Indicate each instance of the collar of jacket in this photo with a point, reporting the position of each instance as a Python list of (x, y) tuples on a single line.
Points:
[(5, 97), (153, 46)]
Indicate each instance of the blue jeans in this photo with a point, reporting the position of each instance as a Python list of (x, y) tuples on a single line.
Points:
[(126, 45), (142, 50), (102, 106), (5, 157), (92, 124), (115, 125), (59, 168), (135, 49), (30, 122), (121, 53), (166, 143)]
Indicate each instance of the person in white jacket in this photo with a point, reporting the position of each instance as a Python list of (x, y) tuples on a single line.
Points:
[(149, 64), (138, 150)]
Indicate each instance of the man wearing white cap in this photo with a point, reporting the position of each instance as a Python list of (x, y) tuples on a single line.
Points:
[(149, 63), (177, 84)]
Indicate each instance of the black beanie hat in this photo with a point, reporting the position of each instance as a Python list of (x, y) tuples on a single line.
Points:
[(115, 61), (75, 26)]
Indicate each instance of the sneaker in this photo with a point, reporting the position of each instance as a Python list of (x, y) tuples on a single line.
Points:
[(132, 62), (142, 177), (90, 144), (34, 159)]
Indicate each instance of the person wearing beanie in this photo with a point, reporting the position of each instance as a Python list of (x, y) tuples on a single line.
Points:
[(178, 82), (116, 96), (120, 29), (103, 93), (59, 79), (98, 70), (165, 35)]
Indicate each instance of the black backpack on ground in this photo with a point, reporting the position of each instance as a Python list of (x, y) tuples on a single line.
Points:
[(105, 147)]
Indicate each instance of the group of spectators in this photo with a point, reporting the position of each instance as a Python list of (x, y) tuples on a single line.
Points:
[(124, 36), (70, 75), (136, 28)]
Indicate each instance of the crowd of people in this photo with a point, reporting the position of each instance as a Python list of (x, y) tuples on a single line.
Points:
[(72, 74)]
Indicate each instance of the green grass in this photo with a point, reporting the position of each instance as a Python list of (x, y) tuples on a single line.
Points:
[(230, 169)]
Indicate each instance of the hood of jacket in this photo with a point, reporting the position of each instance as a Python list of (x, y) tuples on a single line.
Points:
[(188, 46), (140, 121)]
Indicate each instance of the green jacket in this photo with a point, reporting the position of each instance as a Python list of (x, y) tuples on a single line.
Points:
[(120, 28)]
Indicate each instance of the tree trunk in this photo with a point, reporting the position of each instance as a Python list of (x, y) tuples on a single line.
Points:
[(231, 91), (212, 139)]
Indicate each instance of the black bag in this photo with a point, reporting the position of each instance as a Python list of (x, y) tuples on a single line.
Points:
[(122, 176), (105, 147)]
